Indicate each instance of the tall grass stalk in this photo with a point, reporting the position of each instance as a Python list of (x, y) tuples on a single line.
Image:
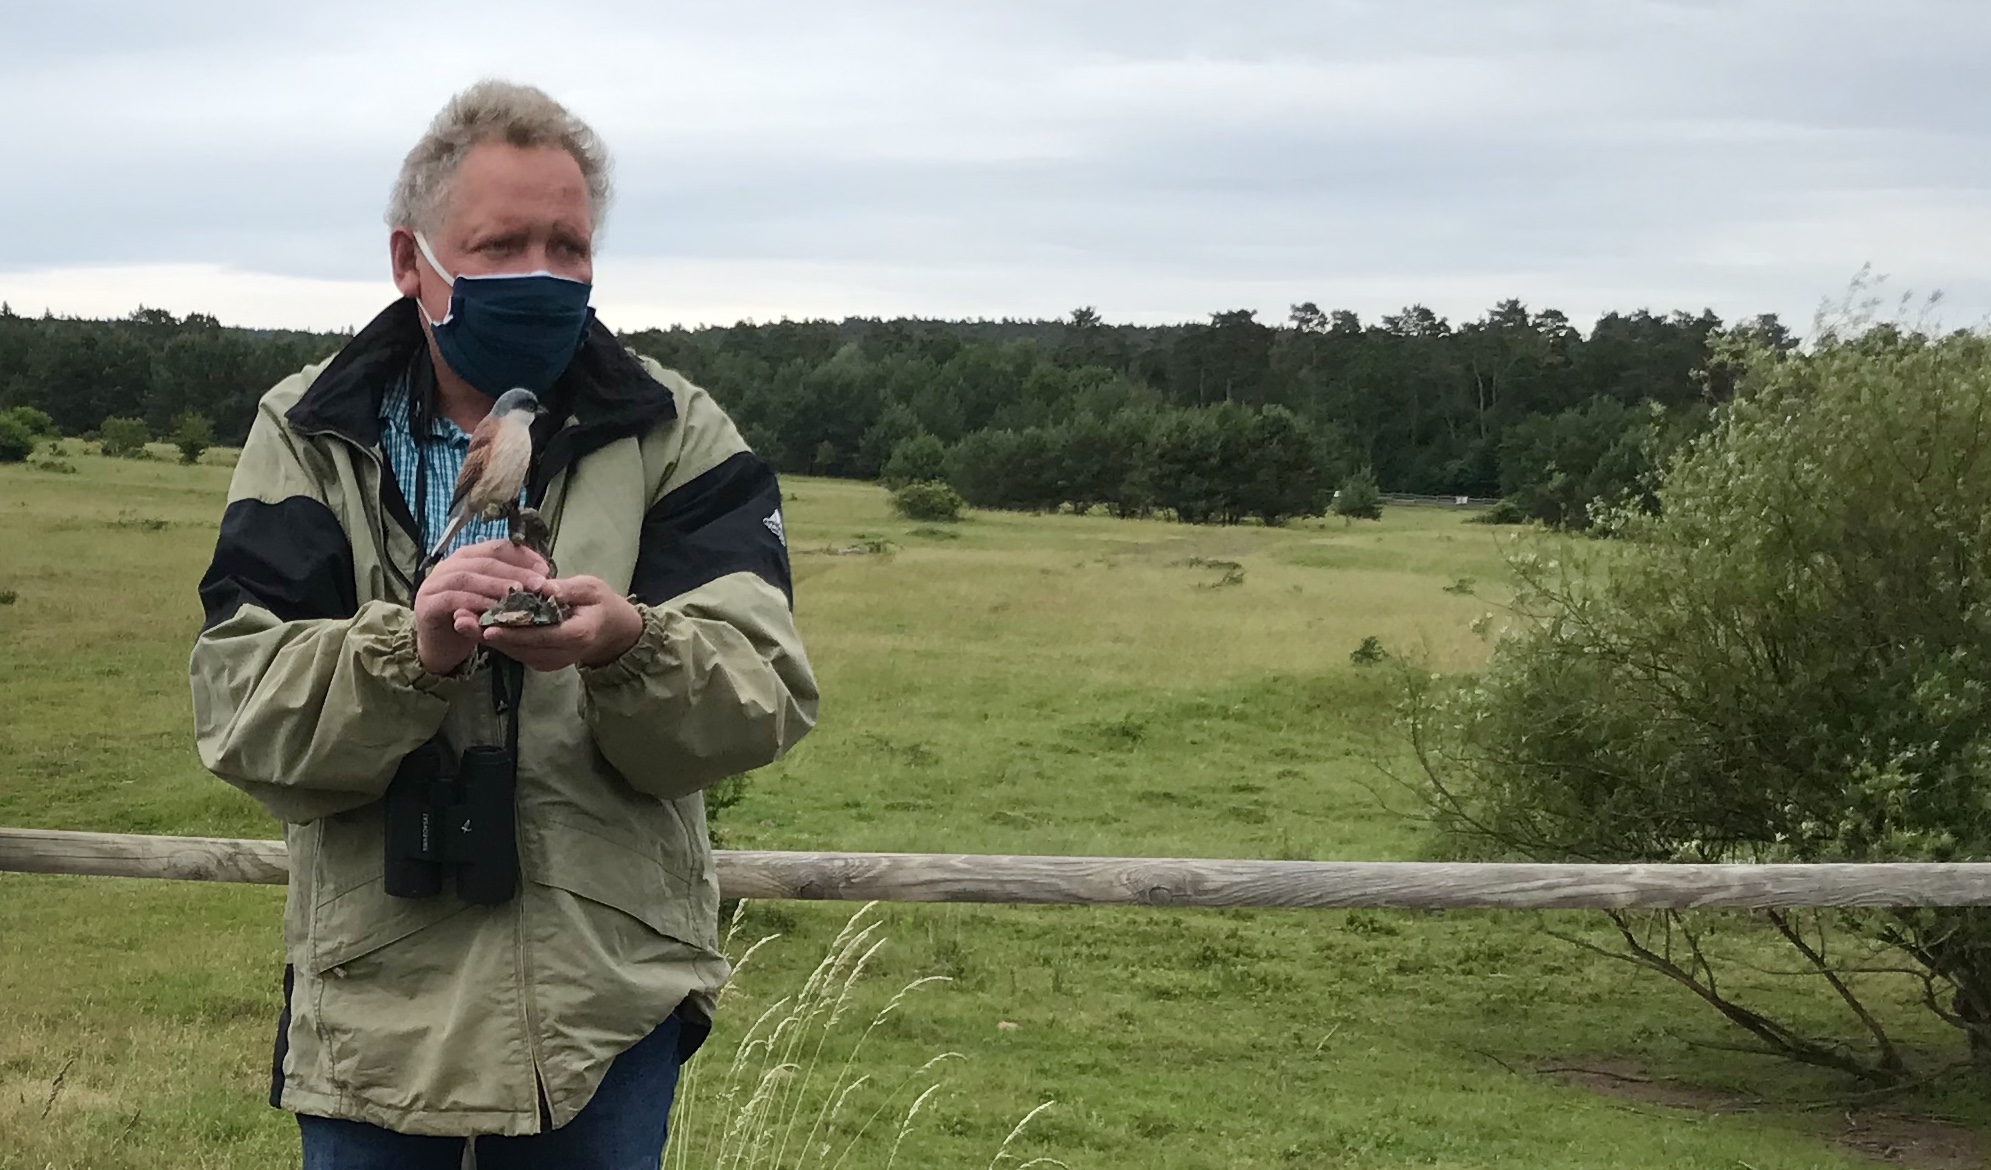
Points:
[(1002, 1151), (777, 1105)]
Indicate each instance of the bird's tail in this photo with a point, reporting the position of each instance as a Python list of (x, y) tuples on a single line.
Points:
[(456, 524)]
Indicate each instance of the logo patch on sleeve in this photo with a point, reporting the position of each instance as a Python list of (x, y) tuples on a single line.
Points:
[(773, 523)]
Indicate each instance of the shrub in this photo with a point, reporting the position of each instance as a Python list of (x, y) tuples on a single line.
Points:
[(124, 437), (1359, 497), (928, 500), (915, 460), (16, 441), (193, 434), (1504, 512), (1791, 661), (35, 421), (55, 458), (1369, 652)]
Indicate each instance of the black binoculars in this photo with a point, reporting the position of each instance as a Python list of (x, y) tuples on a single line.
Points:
[(445, 815)]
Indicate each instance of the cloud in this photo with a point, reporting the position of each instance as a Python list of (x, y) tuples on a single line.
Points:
[(1162, 160)]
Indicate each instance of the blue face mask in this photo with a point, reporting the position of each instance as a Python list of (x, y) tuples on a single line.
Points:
[(511, 330)]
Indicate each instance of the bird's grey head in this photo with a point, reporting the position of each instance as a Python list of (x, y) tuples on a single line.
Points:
[(511, 400)]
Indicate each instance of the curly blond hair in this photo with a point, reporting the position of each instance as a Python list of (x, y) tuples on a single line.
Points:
[(492, 110)]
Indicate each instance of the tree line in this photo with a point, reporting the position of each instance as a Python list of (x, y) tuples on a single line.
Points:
[(151, 366), (1208, 421)]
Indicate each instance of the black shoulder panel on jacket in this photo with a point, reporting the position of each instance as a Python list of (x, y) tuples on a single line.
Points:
[(728, 520), (291, 557)]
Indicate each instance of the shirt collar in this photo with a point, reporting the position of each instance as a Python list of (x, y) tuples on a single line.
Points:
[(394, 414)]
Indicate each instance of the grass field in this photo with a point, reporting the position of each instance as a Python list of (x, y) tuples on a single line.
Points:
[(1025, 684)]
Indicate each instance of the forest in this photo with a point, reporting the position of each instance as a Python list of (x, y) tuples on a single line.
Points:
[(1207, 421)]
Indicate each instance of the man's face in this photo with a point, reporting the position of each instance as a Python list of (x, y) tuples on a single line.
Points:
[(511, 209)]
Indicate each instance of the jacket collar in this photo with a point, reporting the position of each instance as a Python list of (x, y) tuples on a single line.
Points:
[(605, 393)]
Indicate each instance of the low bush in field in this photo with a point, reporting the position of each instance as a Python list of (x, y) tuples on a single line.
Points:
[(1504, 512), (193, 434), (16, 441), (35, 422), (928, 500), (125, 437), (1359, 498)]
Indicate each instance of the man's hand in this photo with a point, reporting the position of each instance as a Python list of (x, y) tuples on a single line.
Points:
[(459, 589), (601, 628)]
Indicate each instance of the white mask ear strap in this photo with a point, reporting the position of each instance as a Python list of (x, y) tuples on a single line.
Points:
[(422, 242), (428, 254)]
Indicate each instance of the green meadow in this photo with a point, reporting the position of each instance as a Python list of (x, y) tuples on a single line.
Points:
[(1006, 684)]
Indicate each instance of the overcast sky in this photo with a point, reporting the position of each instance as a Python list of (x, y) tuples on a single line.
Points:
[(1158, 160)]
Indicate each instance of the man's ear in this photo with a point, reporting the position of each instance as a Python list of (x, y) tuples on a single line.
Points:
[(401, 255)]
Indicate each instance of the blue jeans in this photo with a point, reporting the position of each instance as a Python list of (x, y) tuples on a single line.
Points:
[(622, 1128)]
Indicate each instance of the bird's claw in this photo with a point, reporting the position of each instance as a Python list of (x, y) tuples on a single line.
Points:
[(529, 530), (520, 608)]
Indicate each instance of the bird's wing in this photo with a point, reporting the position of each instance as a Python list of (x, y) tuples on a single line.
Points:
[(474, 464)]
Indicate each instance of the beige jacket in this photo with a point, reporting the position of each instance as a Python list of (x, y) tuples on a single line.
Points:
[(434, 1016)]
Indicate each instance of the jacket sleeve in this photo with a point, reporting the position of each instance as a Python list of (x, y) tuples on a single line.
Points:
[(303, 698), (717, 683)]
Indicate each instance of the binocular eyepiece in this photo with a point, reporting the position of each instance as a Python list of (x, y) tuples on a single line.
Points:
[(456, 816)]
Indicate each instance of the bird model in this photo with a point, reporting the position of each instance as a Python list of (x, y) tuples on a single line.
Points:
[(494, 469)]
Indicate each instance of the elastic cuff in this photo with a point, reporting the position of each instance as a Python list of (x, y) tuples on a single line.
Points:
[(637, 661), (403, 666)]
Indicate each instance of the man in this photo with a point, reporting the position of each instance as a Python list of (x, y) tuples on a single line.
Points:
[(547, 1026)]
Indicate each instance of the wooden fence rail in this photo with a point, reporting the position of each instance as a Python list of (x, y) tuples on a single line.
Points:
[(1129, 881)]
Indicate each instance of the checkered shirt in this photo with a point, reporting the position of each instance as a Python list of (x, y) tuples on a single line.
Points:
[(439, 454)]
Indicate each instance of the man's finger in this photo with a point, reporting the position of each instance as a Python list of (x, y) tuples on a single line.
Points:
[(531, 580), (482, 550), (577, 591), (481, 584), (494, 556), (535, 639), (489, 567), (460, 600), (512, 554)]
